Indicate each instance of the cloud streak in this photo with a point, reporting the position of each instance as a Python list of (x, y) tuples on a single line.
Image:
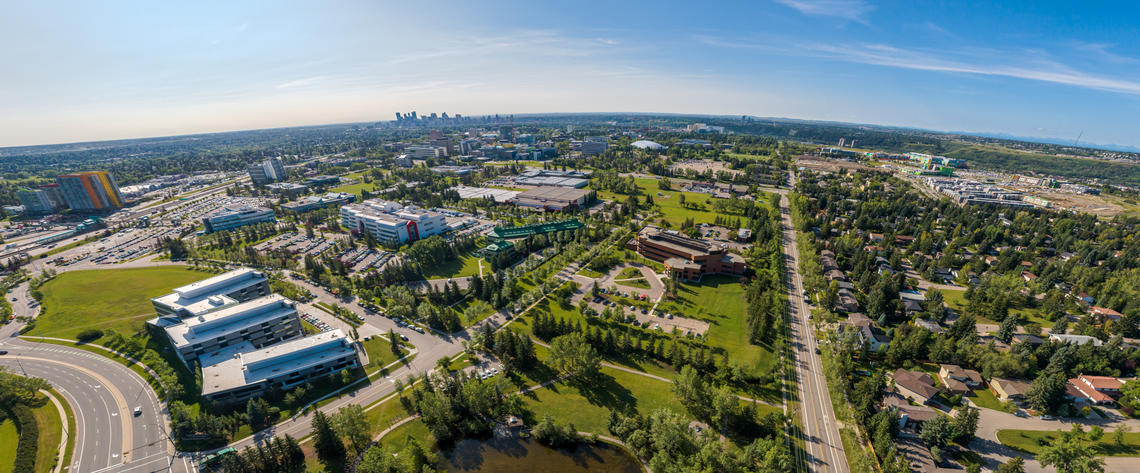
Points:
[(852, 10), (1033, 65)]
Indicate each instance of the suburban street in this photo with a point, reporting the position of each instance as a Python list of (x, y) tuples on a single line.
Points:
[(824, 448)]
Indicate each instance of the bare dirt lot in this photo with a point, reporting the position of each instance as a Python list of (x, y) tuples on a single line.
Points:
[(830, 165)]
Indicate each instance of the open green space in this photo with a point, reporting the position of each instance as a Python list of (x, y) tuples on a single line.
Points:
[(719, 300), (1032, 441), (697, 206), (379, 351), (984, 398), (957, 300), (106, 299), (639, 283), (629, 273), (466, 265), (9, 437), (589, 273), (51, 434)]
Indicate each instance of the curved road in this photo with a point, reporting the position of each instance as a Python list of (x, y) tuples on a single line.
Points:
[(103, 394)]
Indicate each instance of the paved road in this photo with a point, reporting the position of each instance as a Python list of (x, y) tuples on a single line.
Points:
[(103, 394), (824, 448), (991, 449)]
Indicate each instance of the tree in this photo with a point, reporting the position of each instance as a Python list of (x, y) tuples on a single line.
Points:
[(330, 448), (572, 355), (1014, 465), (1071, 453), (1047, 392), (965, 425), (349, 422), (1007, 327), (937, 432), (1118, 435)]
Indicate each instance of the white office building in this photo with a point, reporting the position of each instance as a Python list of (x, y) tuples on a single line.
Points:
[(284, 365), (424, 152), (388, 221), (231, 218), (229, 288), (260, 322)]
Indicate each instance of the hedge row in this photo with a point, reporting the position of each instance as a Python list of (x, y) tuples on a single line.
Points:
[(29, 438)]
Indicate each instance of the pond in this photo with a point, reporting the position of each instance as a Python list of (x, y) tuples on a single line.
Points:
[(524, 455)]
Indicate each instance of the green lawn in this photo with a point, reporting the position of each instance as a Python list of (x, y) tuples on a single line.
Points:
[(355, 188), (697, 206), (9, 437), (589, 273), (51, 434), (984, 398), (629, 273), (379, 351), (639, 283), (719, 300), (466, 265), (108, 299), (1032, 441), (957, 300)]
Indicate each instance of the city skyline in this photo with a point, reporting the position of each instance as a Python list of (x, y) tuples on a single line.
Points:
[(136, 70)]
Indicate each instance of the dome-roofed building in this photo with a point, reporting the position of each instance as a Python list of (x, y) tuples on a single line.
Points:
[(646, 144)]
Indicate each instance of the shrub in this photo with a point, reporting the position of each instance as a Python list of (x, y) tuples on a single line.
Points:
[(89, 335), (29, 435)]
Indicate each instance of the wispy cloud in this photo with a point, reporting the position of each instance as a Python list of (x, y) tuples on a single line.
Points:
[(305, 82), (1039, 69), (853, 10), (1034, 65)]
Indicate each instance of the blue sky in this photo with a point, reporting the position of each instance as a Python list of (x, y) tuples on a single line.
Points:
[(87, 71)]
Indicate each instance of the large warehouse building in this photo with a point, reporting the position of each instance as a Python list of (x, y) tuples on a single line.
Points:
[(555, 198)]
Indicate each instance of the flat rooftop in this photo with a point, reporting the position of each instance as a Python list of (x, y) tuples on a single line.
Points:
[(545, 193), (196, 297), (244, 369), (230, 319)]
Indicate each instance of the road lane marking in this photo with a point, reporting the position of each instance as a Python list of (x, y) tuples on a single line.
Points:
[(128, 434)]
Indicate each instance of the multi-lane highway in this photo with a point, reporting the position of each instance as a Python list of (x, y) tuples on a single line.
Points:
[(822, 444), (109, 437)]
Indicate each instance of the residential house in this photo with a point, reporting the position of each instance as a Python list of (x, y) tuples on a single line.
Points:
[(1075, 339), (910, 416), (959, 380), (874, 337), (930, 325), (1028, 276), (846, 302), (914, 385), (1097, 390), (1104, 314), (1009, 390)]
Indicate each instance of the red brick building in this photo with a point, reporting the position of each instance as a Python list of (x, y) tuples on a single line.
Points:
[(688, 258)]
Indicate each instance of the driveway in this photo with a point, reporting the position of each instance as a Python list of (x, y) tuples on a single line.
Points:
[(989, 447)]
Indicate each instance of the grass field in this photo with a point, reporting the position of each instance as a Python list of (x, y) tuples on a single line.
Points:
[(719, 300), (379, 351), (697, 206), (466, 265), (957, 300), (111, 299), (9, 437), (355, 187), (1032, 441), (51, 434)]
